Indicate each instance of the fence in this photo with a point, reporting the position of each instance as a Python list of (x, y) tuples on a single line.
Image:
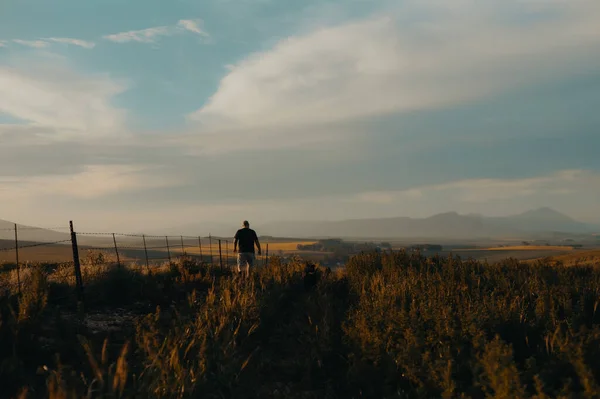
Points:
[(125, 248)]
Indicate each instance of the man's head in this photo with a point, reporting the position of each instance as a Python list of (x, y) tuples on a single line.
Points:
[(245, 224)]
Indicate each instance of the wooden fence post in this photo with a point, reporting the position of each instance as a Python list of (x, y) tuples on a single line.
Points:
[(116, 250), (220, 256), (200, 247), (76, 264), (210, 248), (168, 249), (267, 256), (182, 247), (227, 253), (17, 259), (146, 252)]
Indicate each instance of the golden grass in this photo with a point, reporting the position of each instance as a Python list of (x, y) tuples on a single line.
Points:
[(389, 325), (274, 247), (579, 258), (62, 253), (530, 248)]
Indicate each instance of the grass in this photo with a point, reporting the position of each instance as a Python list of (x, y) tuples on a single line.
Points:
[(391, 325), (532, 248), (579, 258)]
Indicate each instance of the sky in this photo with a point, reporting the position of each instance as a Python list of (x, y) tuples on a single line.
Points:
[(126, 116)]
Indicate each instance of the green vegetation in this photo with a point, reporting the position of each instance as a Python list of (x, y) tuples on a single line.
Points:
[(392, 325)]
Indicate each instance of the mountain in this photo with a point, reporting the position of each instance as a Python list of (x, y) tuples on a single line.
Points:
[(30, 233), (546, 219), (444, 225)]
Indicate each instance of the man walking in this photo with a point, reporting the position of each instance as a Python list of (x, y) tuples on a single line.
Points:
[(245, 256)]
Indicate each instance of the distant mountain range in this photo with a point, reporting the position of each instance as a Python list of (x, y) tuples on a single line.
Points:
[(444, 225), (29, 233), (451, 225)]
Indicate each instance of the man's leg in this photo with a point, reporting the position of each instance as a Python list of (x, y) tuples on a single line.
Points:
[(245, 263), (250, 263), (240, 262)]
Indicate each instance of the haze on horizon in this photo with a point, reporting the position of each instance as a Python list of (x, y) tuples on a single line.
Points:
[(219, 111)]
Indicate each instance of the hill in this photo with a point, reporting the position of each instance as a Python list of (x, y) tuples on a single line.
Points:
[(29, 233), (534, 223)]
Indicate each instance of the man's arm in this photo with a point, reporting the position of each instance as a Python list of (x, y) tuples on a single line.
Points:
[(235, 242), (257, 243)]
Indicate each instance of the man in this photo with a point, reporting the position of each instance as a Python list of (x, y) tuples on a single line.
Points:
[(245, 257)]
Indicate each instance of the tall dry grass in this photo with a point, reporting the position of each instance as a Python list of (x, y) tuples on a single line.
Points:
[(391, 325)]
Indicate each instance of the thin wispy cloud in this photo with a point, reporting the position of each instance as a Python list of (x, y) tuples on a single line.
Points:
[(150, 35), (481, 191), (32, 43), (71, 41), (46, 42), (193, 25)]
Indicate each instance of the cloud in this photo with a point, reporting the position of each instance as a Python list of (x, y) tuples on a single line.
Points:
[(32, 43), (226, 140), (93, 182), (424, 55), (143, 36), (75, 42), (50, 95), (472, 192), (192, 25), (46, 42), (150, 35)]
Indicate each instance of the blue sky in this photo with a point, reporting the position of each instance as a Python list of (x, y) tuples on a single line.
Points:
[(140, 115)]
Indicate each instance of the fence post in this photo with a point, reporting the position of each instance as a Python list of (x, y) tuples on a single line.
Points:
[(267, 256), (77, 265), (146, 252), (220, 256), (116, 250), (168, 249), (182, 246), (200, 247), (227, 253), (17, 259), (210, 248)]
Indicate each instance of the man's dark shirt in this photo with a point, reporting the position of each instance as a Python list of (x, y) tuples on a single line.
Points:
[(246, 238)]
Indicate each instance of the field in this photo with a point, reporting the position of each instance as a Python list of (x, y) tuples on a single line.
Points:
[(532, 248), (388, 325), (134, 250), (578, 258), (498, 254)]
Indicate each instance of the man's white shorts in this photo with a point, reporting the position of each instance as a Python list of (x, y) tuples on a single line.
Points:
[(244, 261)]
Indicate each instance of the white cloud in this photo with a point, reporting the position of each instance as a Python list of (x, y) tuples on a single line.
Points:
[(143, 35), (562, 187), (445, 53), (93, 182), (192, 25), (32, 43), (150, 35), (75, 42), (50, 95), (46, 42)]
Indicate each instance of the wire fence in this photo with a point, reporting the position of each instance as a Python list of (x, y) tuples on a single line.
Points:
[(21, 247)]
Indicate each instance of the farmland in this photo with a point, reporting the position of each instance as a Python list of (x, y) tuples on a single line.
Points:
[(133, 250)]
